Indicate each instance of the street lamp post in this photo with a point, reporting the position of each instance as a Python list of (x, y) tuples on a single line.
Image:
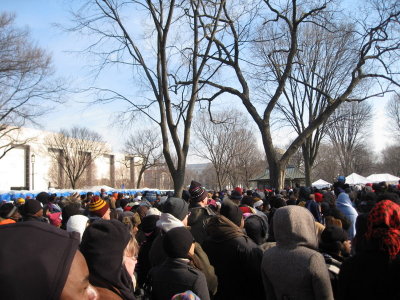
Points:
[(33, 170)]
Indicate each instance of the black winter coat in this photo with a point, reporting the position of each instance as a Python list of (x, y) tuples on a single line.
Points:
[(369, 275), (157, 256), (236, 259), (198, 220), (143, 265), (176, 276)]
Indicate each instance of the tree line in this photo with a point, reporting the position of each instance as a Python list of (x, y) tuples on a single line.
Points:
[(299, 64)]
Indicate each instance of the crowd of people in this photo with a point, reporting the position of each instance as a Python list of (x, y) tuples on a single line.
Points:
[(341, 242)]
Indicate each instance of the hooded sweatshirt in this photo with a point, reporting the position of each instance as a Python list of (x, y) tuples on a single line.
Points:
[(35, 260), (294, 269), (343, 203), (103, 244)]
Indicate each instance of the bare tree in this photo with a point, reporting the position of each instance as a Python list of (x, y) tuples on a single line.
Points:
[(176, 48), (320, 65), (393, 113), (375, 43), (75, 150), (391, 160), (326, 165), (145, 144), (346, 133), (215, 143), (26, 83), (230, 146)]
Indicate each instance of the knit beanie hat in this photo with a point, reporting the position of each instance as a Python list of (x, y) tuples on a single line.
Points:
[(98, 207), (31, 207), (68, 211), (149, 223), (20, 201), (318, 197), (333, 234), (235, 195), (55, 219), (176, 207), (77, 223), (43, 197), (177, 242), (197, 193), (239, 190), (188, 295), (331, 238), (7, 210), (232, 212)]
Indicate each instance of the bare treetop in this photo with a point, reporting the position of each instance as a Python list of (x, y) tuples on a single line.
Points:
[(27, 85), (74, 150)]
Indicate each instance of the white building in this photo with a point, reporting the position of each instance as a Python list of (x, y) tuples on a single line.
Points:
[(30, 166)]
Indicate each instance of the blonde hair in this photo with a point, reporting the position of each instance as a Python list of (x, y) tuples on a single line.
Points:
[(132, 249)]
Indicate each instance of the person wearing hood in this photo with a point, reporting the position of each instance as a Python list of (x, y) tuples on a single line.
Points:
[(200, 212), (39, 261), (294, 269), (374, 271), (103, 245), (175, 274), (343, 203), (175, 214), (235, 257), (257, 229)]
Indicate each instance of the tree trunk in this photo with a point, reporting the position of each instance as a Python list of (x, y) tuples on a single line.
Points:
[(307, 164), (139, 178), (178, 178)]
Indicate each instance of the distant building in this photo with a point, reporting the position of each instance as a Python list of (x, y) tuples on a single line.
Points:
[(292, 176), (31, 167)]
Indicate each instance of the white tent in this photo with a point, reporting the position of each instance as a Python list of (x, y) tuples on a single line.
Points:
[(354, 178), (320, 183), (383, 177)]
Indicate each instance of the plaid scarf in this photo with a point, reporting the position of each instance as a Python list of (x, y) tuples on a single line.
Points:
[(384, 227)]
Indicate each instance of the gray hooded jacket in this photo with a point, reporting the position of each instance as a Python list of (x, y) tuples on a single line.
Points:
[(293, 269)]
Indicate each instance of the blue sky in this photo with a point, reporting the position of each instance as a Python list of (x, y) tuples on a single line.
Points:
[(39, 15)]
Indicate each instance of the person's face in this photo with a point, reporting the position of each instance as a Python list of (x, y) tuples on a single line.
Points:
[(135, 229), (16, 216), (77, 285), (346, 247), (39, 213), (107, 215)]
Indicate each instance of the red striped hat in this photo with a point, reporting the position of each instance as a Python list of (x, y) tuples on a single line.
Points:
[(98, 206)]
